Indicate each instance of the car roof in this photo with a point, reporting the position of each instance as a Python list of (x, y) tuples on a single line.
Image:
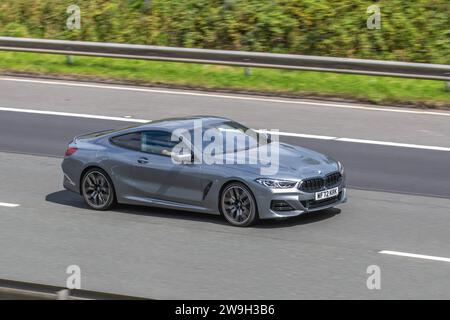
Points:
[(181, 122)]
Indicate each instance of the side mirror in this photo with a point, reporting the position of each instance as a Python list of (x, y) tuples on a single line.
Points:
[(182, 158)]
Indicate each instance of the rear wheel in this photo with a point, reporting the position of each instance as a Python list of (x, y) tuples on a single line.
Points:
[(97, 189), (238, 205)]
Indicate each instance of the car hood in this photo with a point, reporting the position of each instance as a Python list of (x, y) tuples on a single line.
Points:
[(293, 162)]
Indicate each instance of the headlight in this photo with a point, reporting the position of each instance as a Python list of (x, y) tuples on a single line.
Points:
[(277, 184), (341, 168)]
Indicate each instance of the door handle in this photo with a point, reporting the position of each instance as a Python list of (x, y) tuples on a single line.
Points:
[(142, 160)]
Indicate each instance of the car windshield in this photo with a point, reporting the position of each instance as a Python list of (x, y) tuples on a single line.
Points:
[(234, 137)]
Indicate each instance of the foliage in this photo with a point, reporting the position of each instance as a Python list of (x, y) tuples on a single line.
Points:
[(410, 30)]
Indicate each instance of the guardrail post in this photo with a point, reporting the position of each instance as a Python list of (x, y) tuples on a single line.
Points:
[(247, 71), (447, 86), (63, 294), (69, 60)]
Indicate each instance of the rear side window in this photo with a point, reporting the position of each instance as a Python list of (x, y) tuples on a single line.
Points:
[(130, 141)]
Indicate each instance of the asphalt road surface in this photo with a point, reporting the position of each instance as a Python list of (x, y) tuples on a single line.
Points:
[(399, 201)]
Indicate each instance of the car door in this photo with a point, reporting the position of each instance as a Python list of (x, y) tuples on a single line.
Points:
[(157, 176), (120, 160)]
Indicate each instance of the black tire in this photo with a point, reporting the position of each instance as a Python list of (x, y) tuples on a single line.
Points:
[(97, 189), (238, 205)]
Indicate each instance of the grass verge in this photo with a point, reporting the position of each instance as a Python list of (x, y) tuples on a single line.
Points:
[(379, 90)]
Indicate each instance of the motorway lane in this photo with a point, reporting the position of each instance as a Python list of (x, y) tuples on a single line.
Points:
[(389, 169), (46, 135), (289, 115), (159, 253), (369, 167)]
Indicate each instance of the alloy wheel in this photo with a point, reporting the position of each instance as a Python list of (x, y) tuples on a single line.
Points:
[(97, 190), (238, 205)]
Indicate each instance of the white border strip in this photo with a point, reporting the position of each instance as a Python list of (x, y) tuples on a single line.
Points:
[(413, 255), (221, 96), (9, 205), (287, 134)]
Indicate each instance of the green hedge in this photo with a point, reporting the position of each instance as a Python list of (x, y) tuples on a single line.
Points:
[(412, 30)]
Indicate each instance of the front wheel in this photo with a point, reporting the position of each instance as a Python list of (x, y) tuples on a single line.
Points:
[(238, 205), (97, 189)]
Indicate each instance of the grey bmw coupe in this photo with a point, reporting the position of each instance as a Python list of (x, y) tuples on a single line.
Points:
[(204, 164)]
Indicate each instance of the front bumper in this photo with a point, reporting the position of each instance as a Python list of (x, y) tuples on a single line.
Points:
[(300, 202)]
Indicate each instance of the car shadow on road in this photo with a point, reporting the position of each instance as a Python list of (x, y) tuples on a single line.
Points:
[(307, 218), (67, 198)]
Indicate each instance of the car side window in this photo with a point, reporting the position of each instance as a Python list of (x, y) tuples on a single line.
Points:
[(158, 142), (130, 141)]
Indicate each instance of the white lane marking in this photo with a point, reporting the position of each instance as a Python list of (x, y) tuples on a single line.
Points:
[(298, 135), (280, 133), (68, 114), (221, 96), (363, 141), (413, 255), (394, 144), (9, 205)]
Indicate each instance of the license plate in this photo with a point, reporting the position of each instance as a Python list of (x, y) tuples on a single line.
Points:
[(330, 193)]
